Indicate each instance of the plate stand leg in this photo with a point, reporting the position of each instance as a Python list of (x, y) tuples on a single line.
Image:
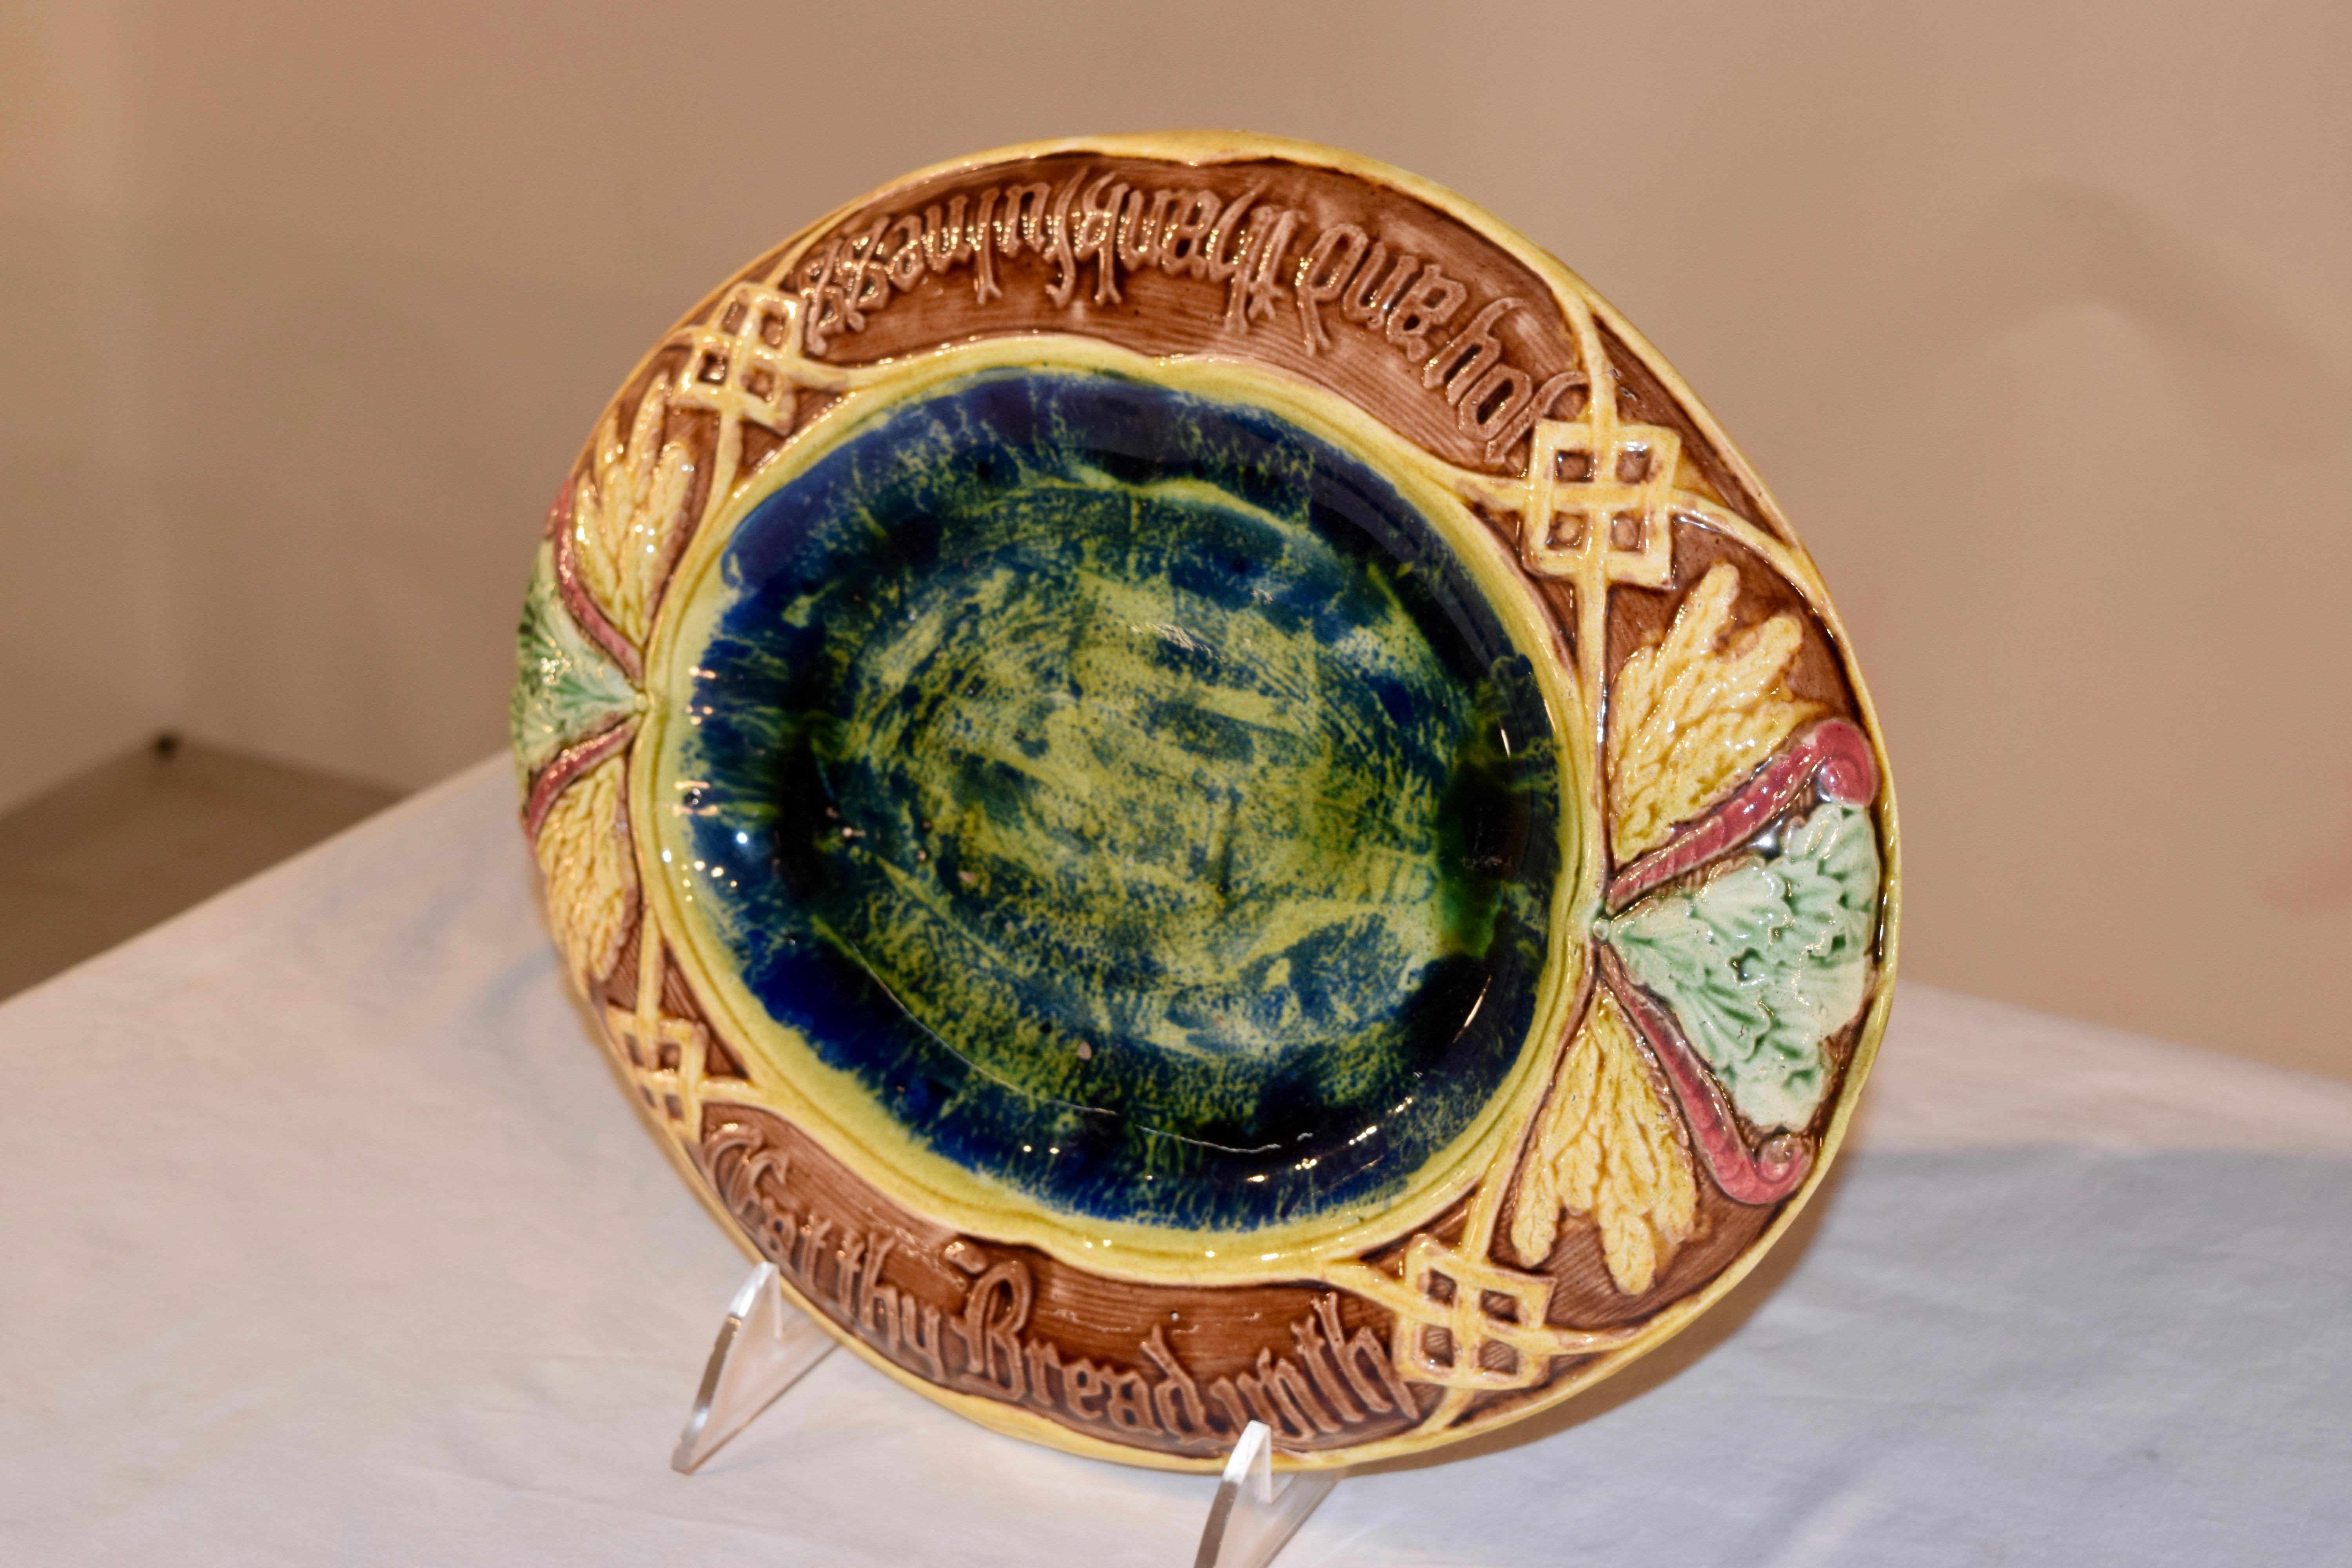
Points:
[(763, 1348), (1254, 1513)]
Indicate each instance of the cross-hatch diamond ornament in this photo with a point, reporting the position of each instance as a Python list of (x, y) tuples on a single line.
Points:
[(667, 1055), (744, 360), (1599, 498)]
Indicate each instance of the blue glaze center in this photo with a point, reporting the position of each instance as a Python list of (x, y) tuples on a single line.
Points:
[(1130, 791)]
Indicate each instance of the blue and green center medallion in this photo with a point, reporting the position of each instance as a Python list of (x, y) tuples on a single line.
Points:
[(1118, 796)]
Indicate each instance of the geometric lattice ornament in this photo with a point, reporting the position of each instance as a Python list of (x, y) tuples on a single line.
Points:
[(1604, 490)]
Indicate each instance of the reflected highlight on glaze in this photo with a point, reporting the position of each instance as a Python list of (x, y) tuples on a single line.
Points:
[(1128, 793)]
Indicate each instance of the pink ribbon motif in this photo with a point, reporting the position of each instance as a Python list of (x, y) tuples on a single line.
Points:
[(1832, 754), (1834, 757), (576, 597)]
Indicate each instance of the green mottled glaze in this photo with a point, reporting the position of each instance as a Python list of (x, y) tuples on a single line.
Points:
[(565, 688), (1764, 961), (1086, 760), (1129, 792)]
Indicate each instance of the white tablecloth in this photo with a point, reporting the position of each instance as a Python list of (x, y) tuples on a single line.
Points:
[(325, 1237)]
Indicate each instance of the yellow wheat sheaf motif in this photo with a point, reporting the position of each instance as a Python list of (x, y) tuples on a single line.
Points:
[(1688, 720), (627, 510), (1610, 1150), (583, 852)]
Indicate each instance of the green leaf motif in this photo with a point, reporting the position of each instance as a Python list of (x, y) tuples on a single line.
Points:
[(565, 688), (1763, 963)]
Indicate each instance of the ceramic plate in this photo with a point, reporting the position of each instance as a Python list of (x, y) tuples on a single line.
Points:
[(1194, 788)]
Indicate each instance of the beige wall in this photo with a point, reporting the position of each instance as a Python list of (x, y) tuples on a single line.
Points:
[(2036, 317)]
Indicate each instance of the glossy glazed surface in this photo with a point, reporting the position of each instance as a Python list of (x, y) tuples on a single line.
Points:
[(1195, 789), (1128, 793)]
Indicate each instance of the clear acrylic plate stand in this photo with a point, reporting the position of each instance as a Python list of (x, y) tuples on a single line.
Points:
[(1255, 1511), (765, 1346)]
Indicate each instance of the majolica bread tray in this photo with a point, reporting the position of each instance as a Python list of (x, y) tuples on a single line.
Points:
[(1191, 785)]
